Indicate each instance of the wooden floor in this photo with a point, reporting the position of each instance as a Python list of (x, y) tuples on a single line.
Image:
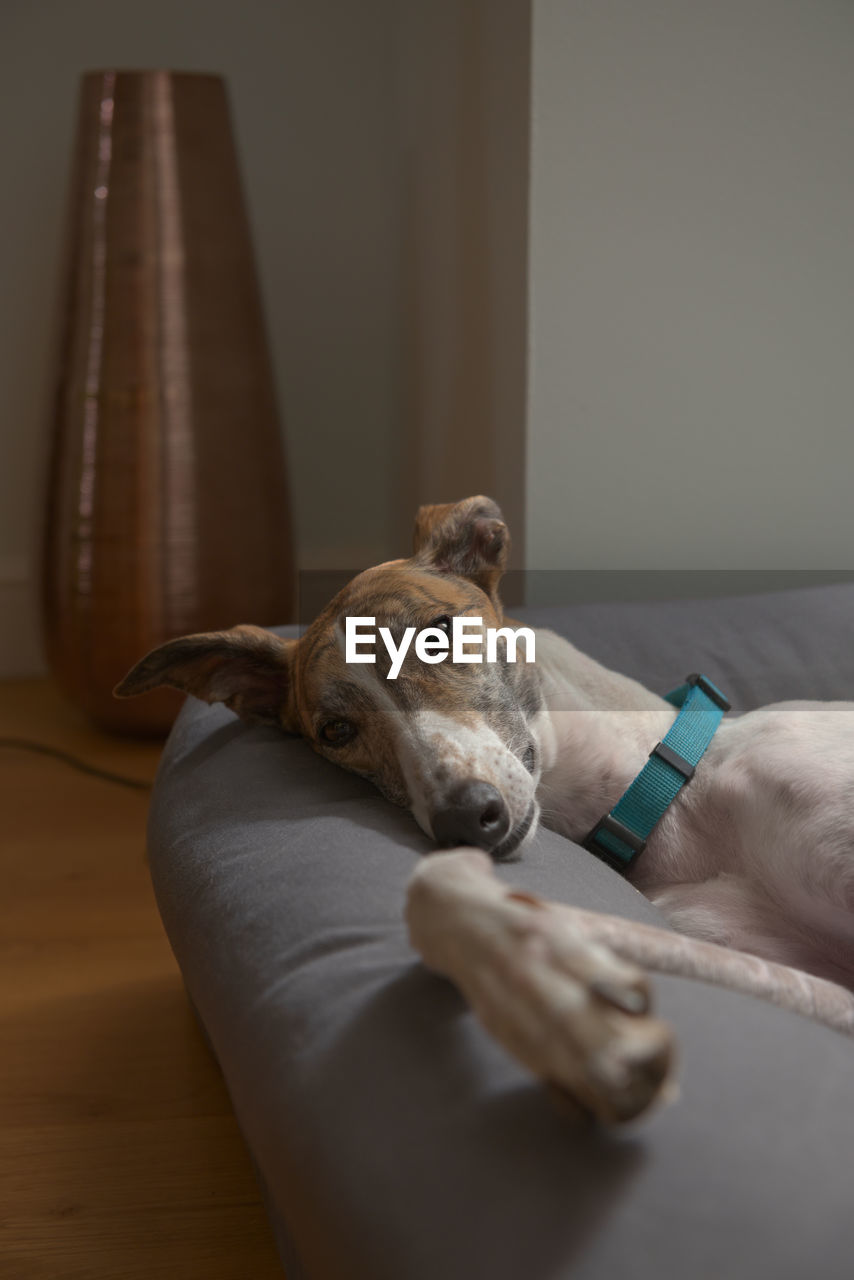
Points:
[(119, 1155)]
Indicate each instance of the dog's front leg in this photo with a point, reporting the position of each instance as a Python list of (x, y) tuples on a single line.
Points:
[(567, 1008), (663, 951)]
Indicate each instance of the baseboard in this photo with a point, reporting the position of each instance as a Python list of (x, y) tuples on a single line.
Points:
[(21, 651)]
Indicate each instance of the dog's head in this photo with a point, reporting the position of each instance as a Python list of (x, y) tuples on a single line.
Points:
[(455, 742)]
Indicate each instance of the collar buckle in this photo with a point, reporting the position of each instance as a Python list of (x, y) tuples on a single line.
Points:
[(612, 826), (673, 758), (696, 680)]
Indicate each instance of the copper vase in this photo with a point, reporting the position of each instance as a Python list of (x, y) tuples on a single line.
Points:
[(168, 509)]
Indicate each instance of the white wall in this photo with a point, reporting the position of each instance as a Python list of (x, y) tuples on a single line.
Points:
[(312, 92), (691, 265), (691, 285)]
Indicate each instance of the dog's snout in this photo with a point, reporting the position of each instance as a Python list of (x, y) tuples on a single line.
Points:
[(474, 813)]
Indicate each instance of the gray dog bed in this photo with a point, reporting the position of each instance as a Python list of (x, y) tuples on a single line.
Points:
[(393, 1140)]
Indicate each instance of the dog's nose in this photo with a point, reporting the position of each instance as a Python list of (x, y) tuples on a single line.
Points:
[(473, 813)]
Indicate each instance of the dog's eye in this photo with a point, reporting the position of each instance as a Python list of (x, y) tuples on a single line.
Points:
[(442, 624), (337, 733)]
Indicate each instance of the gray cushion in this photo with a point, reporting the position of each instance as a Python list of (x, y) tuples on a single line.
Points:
[(393, 1139)]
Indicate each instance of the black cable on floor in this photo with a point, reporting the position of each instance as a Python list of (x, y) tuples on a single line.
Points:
[(41, 748)]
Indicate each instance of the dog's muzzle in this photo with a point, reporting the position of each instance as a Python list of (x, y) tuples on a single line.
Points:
[(473, 813)]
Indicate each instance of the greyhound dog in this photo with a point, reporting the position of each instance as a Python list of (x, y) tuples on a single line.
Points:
[(755, 855)]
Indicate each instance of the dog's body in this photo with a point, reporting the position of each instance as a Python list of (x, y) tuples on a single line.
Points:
[(757, 852)]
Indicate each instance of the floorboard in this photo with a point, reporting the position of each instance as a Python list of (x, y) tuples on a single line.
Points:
[(120, 1157)]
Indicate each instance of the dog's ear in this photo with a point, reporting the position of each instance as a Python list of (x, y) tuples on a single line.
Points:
[(247, 668), (467, 538)]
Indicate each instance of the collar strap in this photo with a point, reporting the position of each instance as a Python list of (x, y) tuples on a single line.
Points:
[(620, 837)]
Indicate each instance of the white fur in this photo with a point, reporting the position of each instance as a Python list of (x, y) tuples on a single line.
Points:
[(757, 852), (433, 747)]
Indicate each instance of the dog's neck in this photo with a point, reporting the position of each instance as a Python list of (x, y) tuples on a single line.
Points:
[(595, 737)]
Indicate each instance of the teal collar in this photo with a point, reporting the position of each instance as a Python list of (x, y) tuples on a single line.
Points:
[(620, 837)]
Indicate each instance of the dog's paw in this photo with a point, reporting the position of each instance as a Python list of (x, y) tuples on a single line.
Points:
[(567, 1008)]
